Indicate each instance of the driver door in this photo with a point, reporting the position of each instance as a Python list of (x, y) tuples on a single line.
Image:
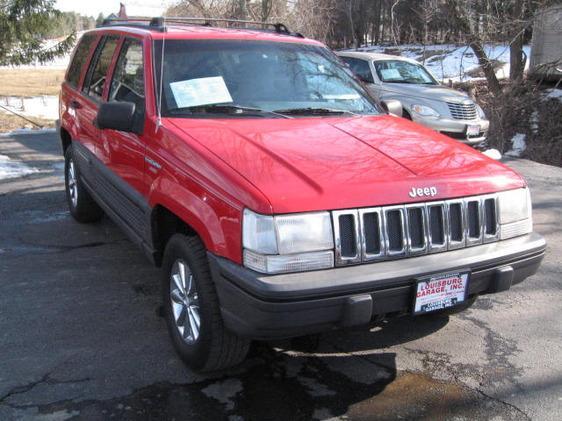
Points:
[(124, 152)]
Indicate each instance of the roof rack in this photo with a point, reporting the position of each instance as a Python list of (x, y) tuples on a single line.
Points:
[(159, 23)]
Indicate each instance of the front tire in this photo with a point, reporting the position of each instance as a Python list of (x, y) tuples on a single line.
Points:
[(192, 311), (81, 205)]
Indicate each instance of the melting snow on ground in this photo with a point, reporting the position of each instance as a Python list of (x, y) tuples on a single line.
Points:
[(449, 61), (493, 153), (13, 169), (45, 106), (518, 145)]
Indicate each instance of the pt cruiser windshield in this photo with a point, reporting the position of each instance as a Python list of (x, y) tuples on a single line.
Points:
[(271, 79)]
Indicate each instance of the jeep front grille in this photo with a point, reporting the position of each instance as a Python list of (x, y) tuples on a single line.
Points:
[(371, 234), (463, 111)]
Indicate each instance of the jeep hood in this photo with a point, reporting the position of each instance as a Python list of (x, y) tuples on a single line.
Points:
[(307, 164)]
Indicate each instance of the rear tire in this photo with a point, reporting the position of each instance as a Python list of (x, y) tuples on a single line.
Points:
[(82, 206), (206, 345)]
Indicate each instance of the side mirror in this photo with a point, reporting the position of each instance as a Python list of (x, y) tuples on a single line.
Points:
[(117, 116), (392, 106)]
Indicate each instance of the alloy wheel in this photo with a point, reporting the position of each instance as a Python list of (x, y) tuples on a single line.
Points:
[(185, 302)]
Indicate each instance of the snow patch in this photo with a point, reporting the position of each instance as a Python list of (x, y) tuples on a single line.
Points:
[(518, 145), (493, 153), (27, 132), (553, 94), (45, 106), (13, 169)]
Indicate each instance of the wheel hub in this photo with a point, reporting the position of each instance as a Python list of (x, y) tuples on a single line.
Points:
[(185, 301), (72, 184)]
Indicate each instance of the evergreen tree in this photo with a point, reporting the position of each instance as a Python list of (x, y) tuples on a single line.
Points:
[(24, 24), (100, 19)]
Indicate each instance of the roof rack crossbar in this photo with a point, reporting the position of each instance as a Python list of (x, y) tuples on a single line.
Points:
[(159, 23)]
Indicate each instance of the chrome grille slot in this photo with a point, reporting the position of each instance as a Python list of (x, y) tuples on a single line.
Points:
[(490, 223), (371, 234), (395, 230), (473, 222), (347, 239), (437, 221), (456, 224), (463, 111), (417, 234)]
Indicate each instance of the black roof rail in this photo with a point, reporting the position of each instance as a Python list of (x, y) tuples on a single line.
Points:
[(159, 23)]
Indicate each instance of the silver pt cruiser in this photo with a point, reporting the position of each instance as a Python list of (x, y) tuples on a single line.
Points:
[(423, 99)]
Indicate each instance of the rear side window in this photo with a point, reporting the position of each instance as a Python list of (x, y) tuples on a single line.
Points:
[(97, 73), (79, 60)]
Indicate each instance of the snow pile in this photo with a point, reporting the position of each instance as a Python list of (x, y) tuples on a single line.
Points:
[(553, 94), (13, 169), (450, 61), (26, 132), (493, 153), (518, 145), (45, 106)]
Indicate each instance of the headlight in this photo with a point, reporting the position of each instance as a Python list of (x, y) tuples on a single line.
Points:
[(515, 213), (424, 110), (287, 243)]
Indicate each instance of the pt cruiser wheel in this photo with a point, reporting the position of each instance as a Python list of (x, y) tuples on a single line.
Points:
[(82, 206), (192, 311)]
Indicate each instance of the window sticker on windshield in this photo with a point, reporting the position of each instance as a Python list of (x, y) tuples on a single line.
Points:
[(203, 91), (390, 74)]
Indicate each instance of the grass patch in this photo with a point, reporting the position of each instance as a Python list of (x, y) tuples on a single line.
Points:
[(9, 122), (30, 82)]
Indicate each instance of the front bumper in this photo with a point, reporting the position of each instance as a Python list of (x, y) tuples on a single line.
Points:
[(455, 128), (262, 306)]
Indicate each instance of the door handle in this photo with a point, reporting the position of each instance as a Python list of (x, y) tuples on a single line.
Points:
[(75, 104)]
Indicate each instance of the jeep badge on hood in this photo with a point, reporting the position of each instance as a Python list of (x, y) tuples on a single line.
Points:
[(419, 192)]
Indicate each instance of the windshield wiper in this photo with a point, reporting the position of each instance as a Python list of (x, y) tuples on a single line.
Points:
[(230, 109), (313, 111)]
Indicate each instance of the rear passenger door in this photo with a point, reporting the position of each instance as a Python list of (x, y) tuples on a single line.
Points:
[(121, 178), (72, 103)]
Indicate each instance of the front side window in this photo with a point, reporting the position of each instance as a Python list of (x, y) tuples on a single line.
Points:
[(97, 73), (360, 68), (128, 79), (79, 59), (273, 77), (398, 71)]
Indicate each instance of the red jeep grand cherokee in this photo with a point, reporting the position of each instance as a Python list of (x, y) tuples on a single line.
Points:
[(276, 195)]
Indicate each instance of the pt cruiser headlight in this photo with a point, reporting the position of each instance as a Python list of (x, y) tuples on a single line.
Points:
[(515, 213), (287, 243), (424, 110)]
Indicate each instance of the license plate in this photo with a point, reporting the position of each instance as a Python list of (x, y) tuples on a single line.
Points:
[(441, 291), (472, 130)]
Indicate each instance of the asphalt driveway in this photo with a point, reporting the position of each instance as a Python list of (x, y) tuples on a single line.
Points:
[(81, 333)]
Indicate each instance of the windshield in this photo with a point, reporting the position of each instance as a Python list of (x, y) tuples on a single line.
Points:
[(245, 78), (398, 71)]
